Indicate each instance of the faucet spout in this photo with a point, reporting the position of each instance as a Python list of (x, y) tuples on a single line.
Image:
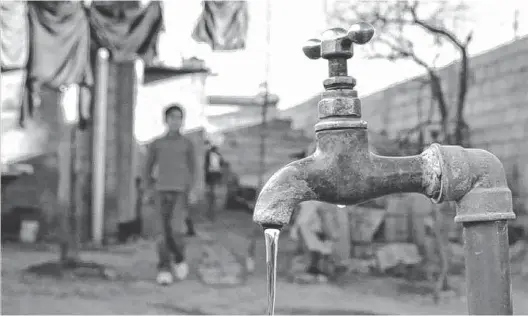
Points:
[(283, 192), (343, 171)]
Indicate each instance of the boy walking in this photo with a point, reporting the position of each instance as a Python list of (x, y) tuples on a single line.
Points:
[(173, 155)]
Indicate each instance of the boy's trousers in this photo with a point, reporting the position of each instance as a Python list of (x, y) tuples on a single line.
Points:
[(171, 246)]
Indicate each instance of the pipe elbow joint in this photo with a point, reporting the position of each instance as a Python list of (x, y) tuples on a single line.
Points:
[(476, 181), (281, 194)]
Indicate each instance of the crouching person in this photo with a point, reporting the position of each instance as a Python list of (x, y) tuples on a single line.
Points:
[(315, 237)]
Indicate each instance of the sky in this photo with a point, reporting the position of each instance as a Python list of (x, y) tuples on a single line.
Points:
[(294, 77)]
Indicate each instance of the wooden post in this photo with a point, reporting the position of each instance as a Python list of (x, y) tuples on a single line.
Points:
[(99, 146), (68, 116), (83, 164), (126, 143)]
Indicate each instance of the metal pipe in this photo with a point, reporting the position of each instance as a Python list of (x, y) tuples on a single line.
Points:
[(99, 145), (487, 268), (476, 180), (264, 113), (140, 76), (263, 132)]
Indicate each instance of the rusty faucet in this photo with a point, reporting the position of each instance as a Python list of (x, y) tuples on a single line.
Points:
[(343, 171)]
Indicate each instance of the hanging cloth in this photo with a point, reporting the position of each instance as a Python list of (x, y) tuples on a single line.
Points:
[(126, 28), (11, 99), (14, 41), (59, 37), (223, 25)]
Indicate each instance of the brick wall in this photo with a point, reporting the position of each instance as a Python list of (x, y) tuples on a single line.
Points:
[(496, 109)]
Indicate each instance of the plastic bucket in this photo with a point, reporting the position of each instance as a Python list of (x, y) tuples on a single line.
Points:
[(29, 231)]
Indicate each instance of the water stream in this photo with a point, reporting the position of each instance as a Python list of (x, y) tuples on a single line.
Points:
[(271, 236)]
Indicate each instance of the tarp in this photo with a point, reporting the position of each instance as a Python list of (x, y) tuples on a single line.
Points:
[(60, 43), (11, 98), (17, 143), (223, 25), (126, 28), (14, 49)]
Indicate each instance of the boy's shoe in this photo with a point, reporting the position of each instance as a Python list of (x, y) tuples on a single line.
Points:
[(164, 278), (181, 270), (250, 264)]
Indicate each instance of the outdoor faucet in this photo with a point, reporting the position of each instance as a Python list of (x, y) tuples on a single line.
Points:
[(343, 171)]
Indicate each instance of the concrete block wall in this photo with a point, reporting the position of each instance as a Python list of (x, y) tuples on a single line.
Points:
[(241, 147), (496, 109)]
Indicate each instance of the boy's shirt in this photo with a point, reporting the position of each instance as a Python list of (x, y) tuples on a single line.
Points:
[(173, 154)]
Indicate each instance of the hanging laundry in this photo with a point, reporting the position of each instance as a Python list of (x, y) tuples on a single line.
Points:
[(18, 144), (14, 41), (126, 28), (223, 25), (59, 37), (12, 92)]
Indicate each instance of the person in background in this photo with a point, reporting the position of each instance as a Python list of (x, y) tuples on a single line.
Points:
[(174, 157), (214, 170), (313, 234), (315, 229), (238, 197), (257, 231)]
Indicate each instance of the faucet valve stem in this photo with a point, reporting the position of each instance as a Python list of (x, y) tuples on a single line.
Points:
[(336, 46), (339, 106)]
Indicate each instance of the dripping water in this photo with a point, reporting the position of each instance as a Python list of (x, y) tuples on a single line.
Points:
[(271, 236)]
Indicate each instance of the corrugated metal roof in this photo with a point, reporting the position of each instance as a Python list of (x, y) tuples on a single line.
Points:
[(273, 99), (157, 73)]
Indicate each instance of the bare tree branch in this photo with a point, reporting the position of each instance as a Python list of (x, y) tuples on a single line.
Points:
[(438, 30), (393, 21)]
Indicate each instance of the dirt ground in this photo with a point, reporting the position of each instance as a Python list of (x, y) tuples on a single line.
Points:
[(134, 292)]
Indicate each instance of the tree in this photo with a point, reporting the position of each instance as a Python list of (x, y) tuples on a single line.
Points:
[(398, 25), (436, 23)]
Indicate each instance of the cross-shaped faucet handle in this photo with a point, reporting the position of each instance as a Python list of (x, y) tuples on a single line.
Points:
[(337, 42), (336, 45)]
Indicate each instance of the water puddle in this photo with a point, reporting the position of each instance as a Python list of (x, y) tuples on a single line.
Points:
[(271, 236)]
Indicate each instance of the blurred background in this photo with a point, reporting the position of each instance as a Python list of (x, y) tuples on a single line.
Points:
[(83, 87)]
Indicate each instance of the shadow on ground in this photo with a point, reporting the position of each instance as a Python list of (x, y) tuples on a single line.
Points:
[(135, 291)]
